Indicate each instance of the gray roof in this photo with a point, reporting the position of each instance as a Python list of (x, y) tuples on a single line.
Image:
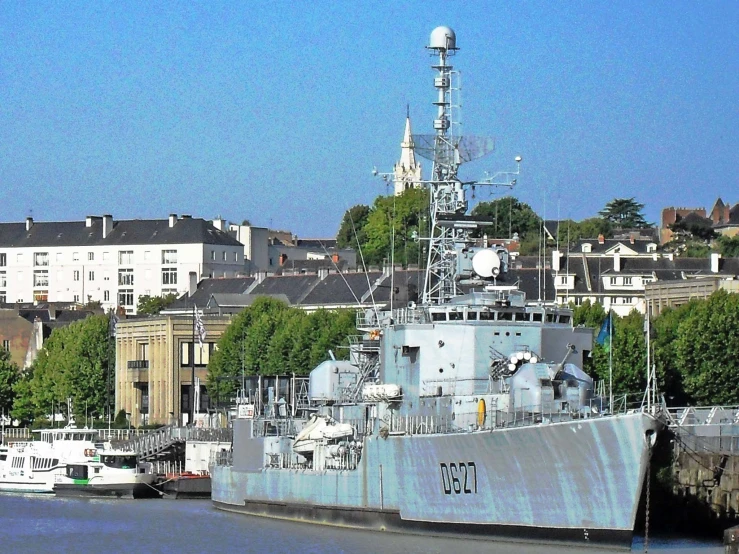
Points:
[(639, 245), (130, 232), (292, 286), (342, 289), (209, 287)]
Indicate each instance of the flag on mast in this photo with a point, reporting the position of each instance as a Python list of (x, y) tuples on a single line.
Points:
[(199, 326), (606, 332), (112, 324)]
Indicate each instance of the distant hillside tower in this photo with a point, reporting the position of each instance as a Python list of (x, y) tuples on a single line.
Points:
[(407, 172)]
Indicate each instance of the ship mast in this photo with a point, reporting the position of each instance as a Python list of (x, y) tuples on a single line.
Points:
[(448, 150)]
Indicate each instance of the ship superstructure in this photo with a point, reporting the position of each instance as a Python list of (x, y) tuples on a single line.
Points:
[(466, 414)]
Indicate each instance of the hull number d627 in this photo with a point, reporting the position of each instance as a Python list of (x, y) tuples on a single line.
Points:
[(459, 478)]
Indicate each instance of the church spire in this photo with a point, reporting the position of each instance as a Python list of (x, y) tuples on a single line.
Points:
[(407, 172)]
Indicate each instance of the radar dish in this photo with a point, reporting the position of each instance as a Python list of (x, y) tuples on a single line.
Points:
[(469, 148), (486, 263)]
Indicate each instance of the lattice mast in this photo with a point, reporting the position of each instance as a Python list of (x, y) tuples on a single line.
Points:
[(447, 196), (450, 228)]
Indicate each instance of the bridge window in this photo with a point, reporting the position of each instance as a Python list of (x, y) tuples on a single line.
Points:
[(471, 316), (438, 316)]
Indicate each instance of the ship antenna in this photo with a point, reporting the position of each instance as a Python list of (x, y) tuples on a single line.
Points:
[(364, 265), (340, 273)]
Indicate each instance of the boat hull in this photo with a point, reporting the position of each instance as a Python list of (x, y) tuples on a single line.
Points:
[(574, 482), (120, 490)]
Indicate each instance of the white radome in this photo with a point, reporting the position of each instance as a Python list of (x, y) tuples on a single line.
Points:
[(439, 38)]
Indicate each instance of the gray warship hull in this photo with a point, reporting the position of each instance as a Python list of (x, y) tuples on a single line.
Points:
[(574, 482)]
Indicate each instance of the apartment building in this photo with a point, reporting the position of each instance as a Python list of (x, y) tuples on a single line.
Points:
[(111, 262)]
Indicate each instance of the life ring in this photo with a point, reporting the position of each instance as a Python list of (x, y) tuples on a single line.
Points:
[(481, 412)]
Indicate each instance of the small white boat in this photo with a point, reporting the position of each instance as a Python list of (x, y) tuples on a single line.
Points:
[(110, 473), (31, 466)]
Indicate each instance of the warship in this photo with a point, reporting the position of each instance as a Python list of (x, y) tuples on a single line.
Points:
[(465, 413)]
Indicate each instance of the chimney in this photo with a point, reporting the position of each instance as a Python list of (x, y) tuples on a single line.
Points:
[(107, 225), (29, 223), (617, 262), (601, 239), (556, 255), (219, 223), (654, 256), (172, 219), (715, 261), (631, 239), (322, 273), (193, 284), (88, 221), (335, 258), (283, 259)]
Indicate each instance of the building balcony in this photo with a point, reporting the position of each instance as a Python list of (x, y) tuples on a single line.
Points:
[(138, 364)]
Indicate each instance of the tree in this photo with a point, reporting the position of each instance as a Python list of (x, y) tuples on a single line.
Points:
[(509, 216), (693, 226), (152, 305), (351, 230), (9, 375), (588, 315), (393, 224), (73, 364), (728, 246), (270, 338), (705, 350), (624, 213), (590, 228), (629, 356)]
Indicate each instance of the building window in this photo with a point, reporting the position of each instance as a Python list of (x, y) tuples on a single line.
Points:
[(225, 256), (90, 256), (613, 281), (213, 255), (125, 257), (3, 259), (41, 295), (59, 257), (75, 256), (563, 279), (125, 297), (165, 292), (628, 300), (6, 342), (41, 259), (169, 276), (19, 258), (41, 278), (202, 355), (236, 256), (3, 279), (76, 275), (627, 280), (2, 298), (106, 276), (169, 257), (90, 275), (147, 255), (76, 298), (106, 296), (125, 277)]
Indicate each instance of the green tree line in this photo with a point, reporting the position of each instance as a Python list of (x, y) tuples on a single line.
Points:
[(271, 338), (74, 363), (694, 350)]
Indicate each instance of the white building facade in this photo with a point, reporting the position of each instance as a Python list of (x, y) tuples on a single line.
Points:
[(114, 263)]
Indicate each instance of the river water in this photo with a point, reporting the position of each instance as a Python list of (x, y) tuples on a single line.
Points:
[(42, 524)]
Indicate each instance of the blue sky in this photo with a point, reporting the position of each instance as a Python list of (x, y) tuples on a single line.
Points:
[(277, 111)]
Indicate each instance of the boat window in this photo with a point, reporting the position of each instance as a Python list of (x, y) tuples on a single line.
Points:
[(3, 457), (564, 319), (505, 316), (471, 316), (536, 316), (521, 316), (487, 316), (455, 316), (550, 318), (119, 462), (438, 316)]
